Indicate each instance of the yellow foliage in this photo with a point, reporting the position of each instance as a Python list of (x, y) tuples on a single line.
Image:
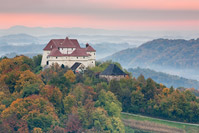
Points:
[(27, 77), (53, 94), (2, 95), (30, 107), (37, 130), (70, 75), (165, 91), (2, 107), (7, 65), (161, 85), (138, 88), (69, 101)]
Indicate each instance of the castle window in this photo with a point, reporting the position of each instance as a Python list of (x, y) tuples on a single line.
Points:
[(72, 48), (94, 53), (84, 57), (56, 57), (59, 48), (62, 48), (77, 57)]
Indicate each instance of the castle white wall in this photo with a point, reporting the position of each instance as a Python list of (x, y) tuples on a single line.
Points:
[(93, 55), (87, 61), (44, 57), (70, 60)]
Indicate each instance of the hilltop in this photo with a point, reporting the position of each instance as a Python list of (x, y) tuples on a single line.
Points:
[(177, 53)]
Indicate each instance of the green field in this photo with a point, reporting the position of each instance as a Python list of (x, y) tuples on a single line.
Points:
[(186, 127)]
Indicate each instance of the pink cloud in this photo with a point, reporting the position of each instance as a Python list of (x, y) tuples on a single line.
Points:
[(49, 20)]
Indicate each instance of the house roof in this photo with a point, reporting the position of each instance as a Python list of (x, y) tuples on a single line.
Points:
[(55, 52), (75, 42), (89, 48), (62, 43), (113, 69), (55, 44), (67, 43), (79, 52), (75, 66)]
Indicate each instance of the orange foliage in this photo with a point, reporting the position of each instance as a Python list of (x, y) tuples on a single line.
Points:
[(27, 77), (165, 91), (29, 107), (17, 63), (53, 94), (70, 75)]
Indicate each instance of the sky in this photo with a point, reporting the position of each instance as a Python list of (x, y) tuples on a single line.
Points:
[(102, 14)]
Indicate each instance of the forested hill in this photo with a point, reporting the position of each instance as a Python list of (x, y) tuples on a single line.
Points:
[(162, 52), (166, 79), (59, 100)]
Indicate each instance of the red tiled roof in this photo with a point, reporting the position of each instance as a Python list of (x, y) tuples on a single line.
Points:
[(79, 52), (75, 42), (89, 48), (50, 45), (55, 44), (62, 43), (67, 43), (55, 52)]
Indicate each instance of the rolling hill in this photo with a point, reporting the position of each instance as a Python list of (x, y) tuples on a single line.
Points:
[(166, 79), (161, 53)]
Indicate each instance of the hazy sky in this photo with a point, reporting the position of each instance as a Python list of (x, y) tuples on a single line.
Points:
[(103, 14)]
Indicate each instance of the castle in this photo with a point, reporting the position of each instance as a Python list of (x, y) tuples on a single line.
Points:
[(67, 52)]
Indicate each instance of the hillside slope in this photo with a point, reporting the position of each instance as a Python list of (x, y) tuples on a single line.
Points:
[(161, 52), (166, 79)]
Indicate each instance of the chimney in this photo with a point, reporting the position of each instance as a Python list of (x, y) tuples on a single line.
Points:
[(87, 45)]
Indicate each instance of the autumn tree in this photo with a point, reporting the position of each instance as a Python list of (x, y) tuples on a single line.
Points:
[(70, 75), (73, 124), (26, 78), (37, 111), (12, 124), (54, 95), (110, 103), (69, 102)]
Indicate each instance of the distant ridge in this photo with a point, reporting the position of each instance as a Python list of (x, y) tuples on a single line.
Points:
[(166, 79), (177, 53)]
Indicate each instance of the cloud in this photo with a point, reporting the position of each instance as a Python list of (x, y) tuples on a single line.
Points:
[(107, 11), (95, 9)]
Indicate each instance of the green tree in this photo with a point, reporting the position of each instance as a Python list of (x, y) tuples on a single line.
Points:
[(150, 90), (69, 102), (109, 102)]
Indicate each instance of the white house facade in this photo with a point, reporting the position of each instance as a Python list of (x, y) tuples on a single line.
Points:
[(67, 52)]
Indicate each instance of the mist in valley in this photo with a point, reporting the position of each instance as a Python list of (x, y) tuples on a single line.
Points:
[(31, 41)]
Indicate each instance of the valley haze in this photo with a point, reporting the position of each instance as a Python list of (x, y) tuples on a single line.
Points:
[(30, 41)]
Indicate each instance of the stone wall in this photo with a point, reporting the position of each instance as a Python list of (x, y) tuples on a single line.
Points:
[(112, 77)]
